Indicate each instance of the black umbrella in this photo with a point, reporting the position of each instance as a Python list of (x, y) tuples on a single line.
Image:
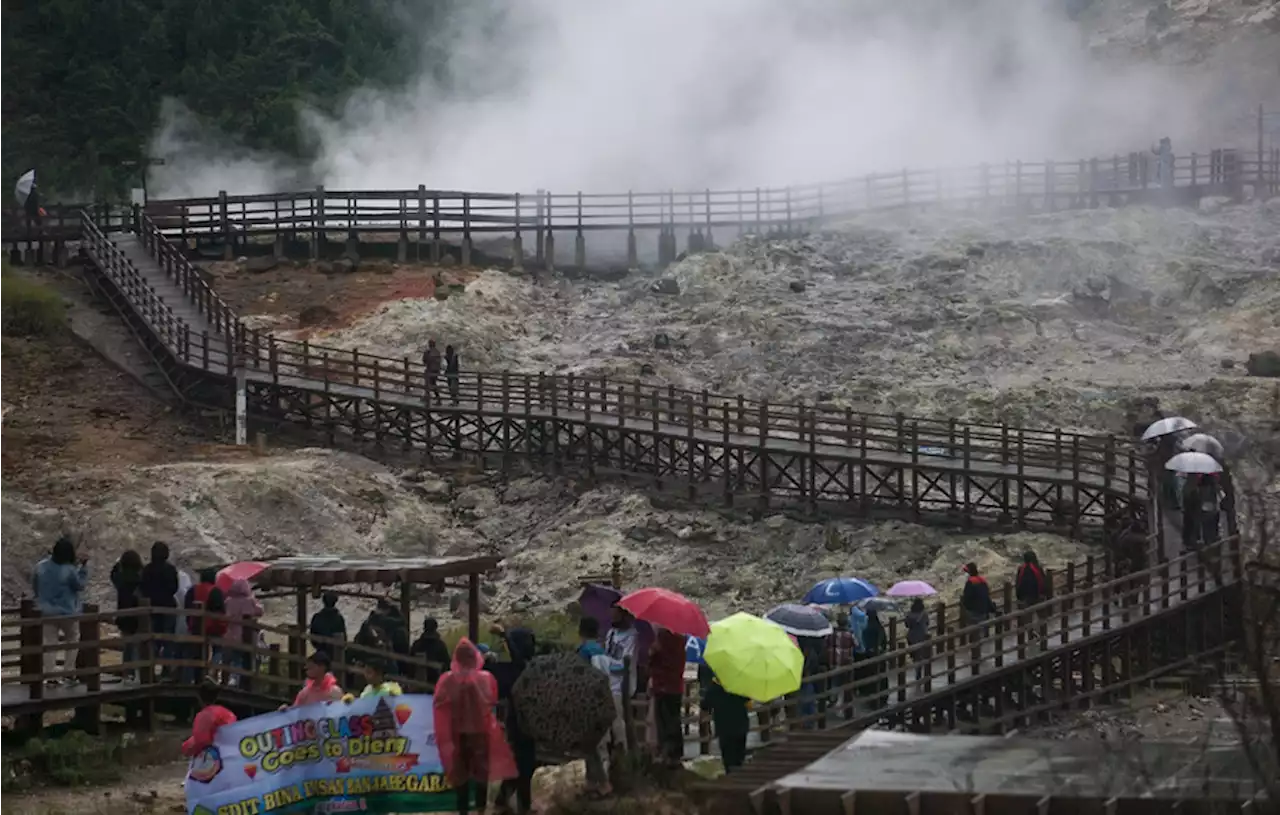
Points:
[(564, 703)]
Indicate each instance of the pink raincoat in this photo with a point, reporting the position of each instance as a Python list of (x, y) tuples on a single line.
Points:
[(323, 690), (240, 603), (472, 745)]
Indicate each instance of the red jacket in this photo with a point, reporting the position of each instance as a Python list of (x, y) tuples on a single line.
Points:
[(666, 663), (200, 596), (205, 727)]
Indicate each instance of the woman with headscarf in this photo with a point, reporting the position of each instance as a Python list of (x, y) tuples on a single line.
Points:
[(472, 748), (522, 646)]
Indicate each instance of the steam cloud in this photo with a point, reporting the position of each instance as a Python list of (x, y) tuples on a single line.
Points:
[(613, 95)]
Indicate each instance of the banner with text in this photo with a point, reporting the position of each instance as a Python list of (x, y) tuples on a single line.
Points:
[(372, 755)]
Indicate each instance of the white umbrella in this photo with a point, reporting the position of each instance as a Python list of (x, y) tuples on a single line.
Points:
[(1164, 427), (1193, 463), (22, 191), (1203, 443)]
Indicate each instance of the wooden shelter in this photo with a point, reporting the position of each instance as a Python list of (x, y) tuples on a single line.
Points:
[(313, 574)]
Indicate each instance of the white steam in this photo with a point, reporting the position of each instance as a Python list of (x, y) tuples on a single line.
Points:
[(612, 95)]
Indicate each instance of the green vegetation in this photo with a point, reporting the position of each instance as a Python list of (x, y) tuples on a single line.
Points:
[(28, 308), (85, 79), (72, 760)]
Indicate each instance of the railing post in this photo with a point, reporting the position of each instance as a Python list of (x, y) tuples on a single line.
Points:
[(224, 223), (31, 638), (89, 655)]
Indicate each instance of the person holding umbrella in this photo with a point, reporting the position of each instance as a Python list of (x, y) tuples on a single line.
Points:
[(729, 714)]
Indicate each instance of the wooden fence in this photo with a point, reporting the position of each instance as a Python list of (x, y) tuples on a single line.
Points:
[(428, 215), (903, 683), (816, 453)]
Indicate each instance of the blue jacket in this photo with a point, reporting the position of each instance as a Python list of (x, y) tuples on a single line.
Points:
[(58, 587)]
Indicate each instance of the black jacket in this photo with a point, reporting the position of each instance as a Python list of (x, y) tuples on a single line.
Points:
[(1031, 586), (328, 622), (432, 649), (126, 584), (160, 584), (977, 597)]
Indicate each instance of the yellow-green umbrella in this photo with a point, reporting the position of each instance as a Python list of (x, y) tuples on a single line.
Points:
[(753, 657)]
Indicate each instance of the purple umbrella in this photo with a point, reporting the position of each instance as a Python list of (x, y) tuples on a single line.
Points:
[(911, 588), (597, 601)]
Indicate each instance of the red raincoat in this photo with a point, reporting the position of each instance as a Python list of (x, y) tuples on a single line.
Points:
[(204, 727), (472, 746)]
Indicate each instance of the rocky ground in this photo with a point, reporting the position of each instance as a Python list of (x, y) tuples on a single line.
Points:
[(1048, 320)]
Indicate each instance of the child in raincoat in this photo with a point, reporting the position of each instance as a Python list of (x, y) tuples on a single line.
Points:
[(376, 675), (205, 726), (473, 750)]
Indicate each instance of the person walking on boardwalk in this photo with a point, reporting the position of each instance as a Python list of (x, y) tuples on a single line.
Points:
[(976, 601), (1210, 503), (451, 371), (58, 583), (917, 622), (1030, 586), (431, 361), (473, 751)]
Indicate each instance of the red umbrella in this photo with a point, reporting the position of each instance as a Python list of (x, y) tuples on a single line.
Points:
[(672, 611), (244, 570)]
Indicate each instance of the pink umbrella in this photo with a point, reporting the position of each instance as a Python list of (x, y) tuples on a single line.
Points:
[(910, 588), (244, 570)]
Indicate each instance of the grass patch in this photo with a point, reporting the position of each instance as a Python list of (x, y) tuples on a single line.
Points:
[(29, 309), (75, 759)]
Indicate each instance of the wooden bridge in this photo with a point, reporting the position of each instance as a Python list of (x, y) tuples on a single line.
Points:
[(1104, 632)]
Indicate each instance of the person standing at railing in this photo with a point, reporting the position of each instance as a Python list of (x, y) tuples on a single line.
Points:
[(328, 622), (160, 588), (204, 596), (126, 577), (58, 584), (1164, 162), (431, 361), (241, 605), (841, 645)]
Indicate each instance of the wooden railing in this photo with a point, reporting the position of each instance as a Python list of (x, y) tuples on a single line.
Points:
[(1064, 461), (428, 213), (268, 669), (62, 222)]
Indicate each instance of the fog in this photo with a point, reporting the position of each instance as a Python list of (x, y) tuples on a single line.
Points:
[(613, 95)]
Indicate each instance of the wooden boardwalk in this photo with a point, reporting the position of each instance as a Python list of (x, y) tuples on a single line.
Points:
[(700, 444)]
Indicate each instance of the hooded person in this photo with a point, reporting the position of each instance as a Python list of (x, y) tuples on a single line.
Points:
[(522, 646), (205, 725), (159, 586), (328, 622), (240, 604), (472, 748)]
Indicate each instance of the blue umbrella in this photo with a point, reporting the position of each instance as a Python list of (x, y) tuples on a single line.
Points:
[(840, 591), (693, 650)]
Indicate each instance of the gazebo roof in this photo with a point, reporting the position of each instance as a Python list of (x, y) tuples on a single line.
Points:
[(333, 570)]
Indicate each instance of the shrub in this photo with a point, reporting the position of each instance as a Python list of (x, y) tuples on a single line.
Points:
[(30, 309), (72, 760)]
